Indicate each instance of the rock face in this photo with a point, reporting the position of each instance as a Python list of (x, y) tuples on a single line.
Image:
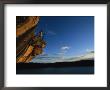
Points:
[(26, 40), (26, 24)]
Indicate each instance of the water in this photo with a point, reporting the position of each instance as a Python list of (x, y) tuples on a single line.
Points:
[(59, 70)]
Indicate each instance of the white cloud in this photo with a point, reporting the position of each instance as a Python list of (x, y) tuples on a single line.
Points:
[(50, 32), (65, 48), (60, 53), (87, 56), (88, 50)]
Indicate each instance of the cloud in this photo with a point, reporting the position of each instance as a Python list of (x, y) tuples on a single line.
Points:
[(87, 56), (88, 50), (43, 55), (60, 53), (50, 32), (65, 48)]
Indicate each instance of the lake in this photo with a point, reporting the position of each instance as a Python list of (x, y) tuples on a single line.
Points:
[(58, 70)]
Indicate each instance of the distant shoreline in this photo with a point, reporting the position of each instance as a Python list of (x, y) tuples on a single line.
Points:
[(82, 63)]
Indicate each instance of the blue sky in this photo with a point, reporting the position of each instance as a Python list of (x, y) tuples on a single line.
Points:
[(67, 36)]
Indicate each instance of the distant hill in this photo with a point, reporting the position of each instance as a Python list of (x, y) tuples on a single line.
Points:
[(56, 65), (83, 60)]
